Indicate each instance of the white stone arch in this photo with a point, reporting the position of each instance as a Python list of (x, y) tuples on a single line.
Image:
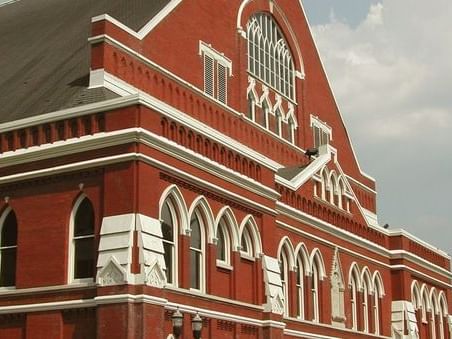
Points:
[(249, 222), (302, 252), (287, 244), (333, 182), (442, 302), (366, 279), (425, 302), (377, 284), (325, 174), (172, 192), (202, 205), (316, 258), (433, 297), (231, 222), (354, 271), (416, 295)]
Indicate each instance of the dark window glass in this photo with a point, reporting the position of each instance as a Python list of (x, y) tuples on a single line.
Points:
[(221, 244), (83, 238), (195, 253), (244, 244), (168, 241), (9, 231), (195, 240), (167, 223), (8, 250), (84, 219), (195, 269), (8, 267), (84, 258)]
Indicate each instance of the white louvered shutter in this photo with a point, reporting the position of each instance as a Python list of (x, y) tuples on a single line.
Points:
[(222, 84), (209, 75)]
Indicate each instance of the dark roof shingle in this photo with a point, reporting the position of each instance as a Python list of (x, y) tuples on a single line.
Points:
[(45, 54)]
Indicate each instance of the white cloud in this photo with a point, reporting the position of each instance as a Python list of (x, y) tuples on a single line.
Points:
[(392, 76)]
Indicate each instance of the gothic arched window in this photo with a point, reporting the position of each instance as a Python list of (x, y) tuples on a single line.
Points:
[(223, 243), (82, 242), (196, 252), (269, 57), (169, 233), (8, 249)]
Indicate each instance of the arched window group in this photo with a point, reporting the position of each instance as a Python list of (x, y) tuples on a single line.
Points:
[(309, 274), (82, 250), (332, 188), (273, 116), (365, 294), (431, 311), (202, 227)]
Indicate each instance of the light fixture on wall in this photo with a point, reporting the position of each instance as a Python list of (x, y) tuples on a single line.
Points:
[(178, 321), (196, 325)]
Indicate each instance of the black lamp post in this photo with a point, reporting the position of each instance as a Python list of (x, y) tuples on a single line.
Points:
[(196, 325), (178, 320)]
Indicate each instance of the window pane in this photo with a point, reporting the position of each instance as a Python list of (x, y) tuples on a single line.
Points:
[(84, 219), (9, 231), (167, 223), (84, 258), (8, 267), (244, 244), (221, 246), (195, 240), (195, 266), (168, 248)]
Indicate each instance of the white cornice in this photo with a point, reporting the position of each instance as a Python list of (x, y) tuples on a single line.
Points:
[(100, 162)]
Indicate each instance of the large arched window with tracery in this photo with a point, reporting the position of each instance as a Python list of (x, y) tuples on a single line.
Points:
[(8, 249), (269, 57)]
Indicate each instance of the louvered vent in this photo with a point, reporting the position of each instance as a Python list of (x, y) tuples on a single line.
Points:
[(222, 83), (208, 75)]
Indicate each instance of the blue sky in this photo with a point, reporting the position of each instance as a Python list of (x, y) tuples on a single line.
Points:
[(389, 66)]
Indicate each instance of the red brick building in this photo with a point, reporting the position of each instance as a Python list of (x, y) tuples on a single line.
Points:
[(190, 154)]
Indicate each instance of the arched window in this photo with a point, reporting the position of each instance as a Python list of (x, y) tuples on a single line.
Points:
[(223, 243), (315, 284), (278, 122), (378, 294), (300, 288), (269, 57), (366, 292), (246, 243), (197, 245), (354, 301), (284, 267), (82, 242), (8, 249), (169, 219)]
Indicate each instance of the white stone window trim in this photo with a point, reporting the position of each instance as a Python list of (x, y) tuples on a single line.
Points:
[(285, 265), (218, 58), (71, 242)]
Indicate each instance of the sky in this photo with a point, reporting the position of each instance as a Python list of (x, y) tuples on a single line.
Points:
[(390, 67)]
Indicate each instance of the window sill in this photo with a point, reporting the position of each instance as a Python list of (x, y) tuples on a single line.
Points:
[(82, 281), (246, 256), (7, 289), (223, 265)]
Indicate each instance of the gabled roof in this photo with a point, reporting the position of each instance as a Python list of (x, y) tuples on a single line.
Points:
[(45, 54)]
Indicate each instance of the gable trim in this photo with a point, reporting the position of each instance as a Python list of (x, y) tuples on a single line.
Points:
[(146, 29)]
